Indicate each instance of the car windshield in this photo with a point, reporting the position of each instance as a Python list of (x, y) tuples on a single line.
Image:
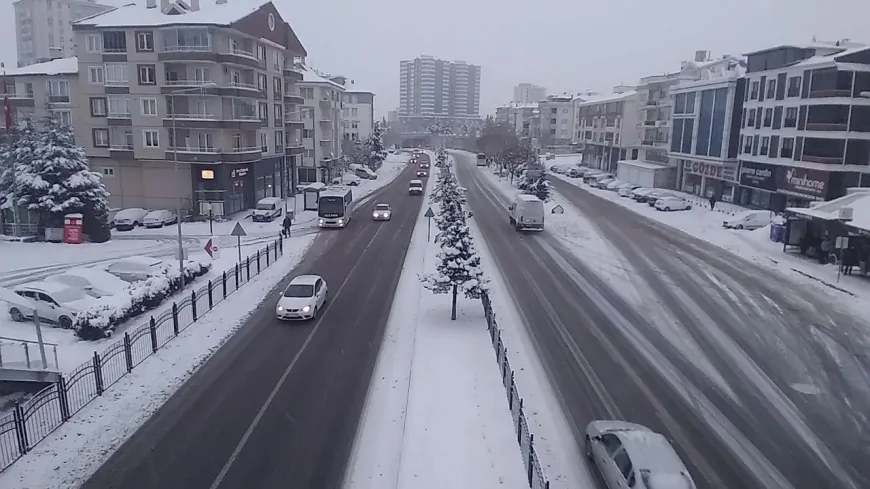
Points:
[(265, 207), (299, 290), (67, 294), (382, 207)]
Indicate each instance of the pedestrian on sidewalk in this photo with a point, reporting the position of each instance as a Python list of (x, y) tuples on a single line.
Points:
[(713, 202), (286, 226)]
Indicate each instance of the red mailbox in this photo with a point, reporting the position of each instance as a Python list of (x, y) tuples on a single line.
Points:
[(72, 229)]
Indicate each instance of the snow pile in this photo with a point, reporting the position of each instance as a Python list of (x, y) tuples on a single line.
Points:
[(107, 313)]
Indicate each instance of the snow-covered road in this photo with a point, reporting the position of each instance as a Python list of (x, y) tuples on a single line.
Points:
[(758, 380)]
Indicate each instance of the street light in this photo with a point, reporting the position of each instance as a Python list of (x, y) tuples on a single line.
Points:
[(172, 95)]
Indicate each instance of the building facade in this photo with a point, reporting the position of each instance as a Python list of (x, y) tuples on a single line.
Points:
[(527, 93), (518, 116), (43, 28), (805, 132), (322, 135), (37, 89), (705, 130), (190, 105), (358, 115), (606, 129), (436, 91), (556, 122)]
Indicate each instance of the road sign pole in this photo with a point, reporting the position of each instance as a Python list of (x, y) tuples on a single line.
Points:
[(239, 246), (429, 215)]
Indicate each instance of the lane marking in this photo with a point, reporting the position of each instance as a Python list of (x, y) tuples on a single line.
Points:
[(241, 445)]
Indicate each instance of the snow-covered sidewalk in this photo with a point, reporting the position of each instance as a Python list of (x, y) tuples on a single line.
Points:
[(436, 414), (70, 454)]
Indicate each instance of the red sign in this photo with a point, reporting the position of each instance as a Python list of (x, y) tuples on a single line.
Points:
[(208, 248), (72, 229)]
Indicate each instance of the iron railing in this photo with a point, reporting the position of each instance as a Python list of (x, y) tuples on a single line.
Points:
[(525, 438), (33, 420)]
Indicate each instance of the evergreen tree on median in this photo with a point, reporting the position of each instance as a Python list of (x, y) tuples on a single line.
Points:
[(537, 185), (376, 153)]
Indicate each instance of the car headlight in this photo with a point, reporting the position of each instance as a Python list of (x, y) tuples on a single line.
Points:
[(280, 308), (306, 308), (320, 221), (377, 215), (341, 221)]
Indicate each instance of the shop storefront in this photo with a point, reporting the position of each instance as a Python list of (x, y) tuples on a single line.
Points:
[(706, 179), (802, 186), (237, 185), (758, 186)]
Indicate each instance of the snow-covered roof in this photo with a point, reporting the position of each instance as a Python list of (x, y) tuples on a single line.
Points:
[(137, 15), (817, 45), (61, 66), (641, 164), (601, 99), (309, 76), (830, 58), (859, 201)]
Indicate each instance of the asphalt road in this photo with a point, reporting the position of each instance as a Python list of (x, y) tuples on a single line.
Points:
[(758, 382), (278, 406)]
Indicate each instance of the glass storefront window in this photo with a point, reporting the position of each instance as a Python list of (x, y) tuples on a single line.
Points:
[(692, 184)]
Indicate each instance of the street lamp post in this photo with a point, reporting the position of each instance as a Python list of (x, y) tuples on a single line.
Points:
[(172, 95)]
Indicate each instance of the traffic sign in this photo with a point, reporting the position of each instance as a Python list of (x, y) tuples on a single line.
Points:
[(238, 230), (429, 213), (209, 248)]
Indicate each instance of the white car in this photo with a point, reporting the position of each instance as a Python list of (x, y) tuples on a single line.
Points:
[(127, 219), (55, 302), (95, 282), (304, 296), (629, 455), (614, 185), (748, 220), (639, 193), (626, 190), (382, 212), (603, 183), (135, 268), (158, 219), (668, 204), (655, 195), (348, 179)]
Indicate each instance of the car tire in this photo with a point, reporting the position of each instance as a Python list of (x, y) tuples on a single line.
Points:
[(739, 226), (16, 315), (588, 445), (136, 224), (314, 314), (667, 209), (688, 207), (65, 322)]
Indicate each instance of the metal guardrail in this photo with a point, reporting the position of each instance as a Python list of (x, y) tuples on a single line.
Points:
[(34, 419), (24, 354), (525, 438)]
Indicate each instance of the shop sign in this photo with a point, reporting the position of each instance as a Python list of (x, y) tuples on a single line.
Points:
[(239, 172), (801, 181), (711, 170), (758, 175)]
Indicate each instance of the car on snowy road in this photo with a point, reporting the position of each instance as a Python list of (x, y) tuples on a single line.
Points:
[(303, 298), (422, 173), (382, 212), (629, 455), (415, 187)]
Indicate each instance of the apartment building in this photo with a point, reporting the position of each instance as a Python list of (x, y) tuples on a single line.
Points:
[(43, 28), (556, 129), (323, 133), (433, 91), (36, 89), (606, 128), (190, 104), (705, 129), (358, 114), (527, 93), (519, 116), (806, 124)]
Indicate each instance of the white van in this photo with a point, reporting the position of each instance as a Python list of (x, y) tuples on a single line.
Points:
[(268, 209), (526, 212), (748, 220)]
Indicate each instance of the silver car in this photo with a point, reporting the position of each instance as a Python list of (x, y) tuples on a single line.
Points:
[(382, 212), (629, 455)]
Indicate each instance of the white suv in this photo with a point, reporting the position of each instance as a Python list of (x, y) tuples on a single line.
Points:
[(55, 302)]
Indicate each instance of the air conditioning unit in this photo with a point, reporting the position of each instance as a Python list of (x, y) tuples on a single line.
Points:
[(845, 214)]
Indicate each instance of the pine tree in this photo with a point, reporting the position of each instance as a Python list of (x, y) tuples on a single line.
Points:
[(441, 158), (538, 186), (58, 181), (375, 148), (459, 263), (16, 153)]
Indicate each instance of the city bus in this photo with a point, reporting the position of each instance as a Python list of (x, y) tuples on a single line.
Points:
[(334, 207)]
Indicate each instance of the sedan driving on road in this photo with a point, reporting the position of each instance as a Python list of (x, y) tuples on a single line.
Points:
[(629, 455), (304, 296), (422, 173), (382, 212)]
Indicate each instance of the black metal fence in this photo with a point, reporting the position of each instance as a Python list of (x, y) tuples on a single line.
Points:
[(31, 421), (526, 440)]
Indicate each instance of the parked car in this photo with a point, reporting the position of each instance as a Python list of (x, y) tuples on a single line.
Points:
[(268, 209), (629, 455), (55, 302), (614, 185), (575, 172), (640, 193), (93, 281), (560, 169), (158, 219), (526, 212), (626, 190), (382, 212), (415, 187), (592, 178), (348, 179), (655, 195), (135, 268), (303, 298), (674, 203), (128, 219), (550, 156), (602, 182), (365, 173), (748, 220)]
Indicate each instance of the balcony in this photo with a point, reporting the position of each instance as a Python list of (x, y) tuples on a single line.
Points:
[(13, 93), (246, 149), (325, 102), (119, 115), (244, 53), (649, 123), (292, 73), (243, 85), (188, 83), (192, 117), (830, 93), (186, 48), (663, 123), (121, 147), (654, 143), (197, 149), (651, 103), (59, 99), (291, 96), (832, 126)]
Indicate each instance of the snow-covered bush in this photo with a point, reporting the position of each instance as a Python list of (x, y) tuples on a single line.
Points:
[(538, 186), (109, 312)]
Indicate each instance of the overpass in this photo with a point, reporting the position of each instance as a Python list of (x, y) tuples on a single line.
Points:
[(427, 139)]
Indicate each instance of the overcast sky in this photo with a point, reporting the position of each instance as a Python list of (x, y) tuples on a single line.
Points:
[(564, 45)]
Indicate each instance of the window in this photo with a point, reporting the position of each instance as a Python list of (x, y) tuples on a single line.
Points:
[(771, 88), (108, 172), (353, 112), (63, 116), (98, 107), (264, 142), (768, 117), (201, 75), (114, 42), (277, 62), (307, 92), (263, 112), (101, 138), (791, 114), (279, 115), (261, 54), (205, 141), (751, 120), (237, 141), (279, 141), (57, 91), (765, 143), (118, 106), (794, 86), (94, 43), (145, 42), (307, 133), (147, 75), (151, 138), (116, 74), (236, 77), (277, 90), (149, 107), (95, 75), (787, 150), (753, 93), (262, 82)]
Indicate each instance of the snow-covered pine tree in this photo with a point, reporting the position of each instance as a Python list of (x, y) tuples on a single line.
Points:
[(377, 153), (59, 181), (441, 158), (459, 267), (16, 154), (538, 186)]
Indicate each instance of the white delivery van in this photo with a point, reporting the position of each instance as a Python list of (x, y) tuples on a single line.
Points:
[(526, 212), (268, 209)]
